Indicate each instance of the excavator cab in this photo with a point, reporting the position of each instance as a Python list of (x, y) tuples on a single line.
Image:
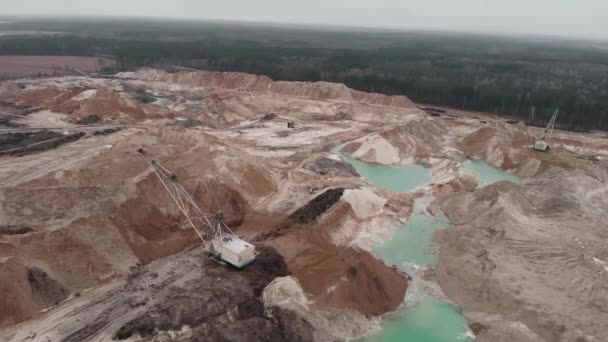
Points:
[(541, 145)]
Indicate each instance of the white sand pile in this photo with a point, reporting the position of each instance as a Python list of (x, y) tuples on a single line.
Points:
[(286, 294), (373, 148), (85, 95), (365, 202)]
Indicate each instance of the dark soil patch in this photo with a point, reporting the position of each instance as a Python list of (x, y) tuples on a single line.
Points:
[(269, 116), (219, 303), (307, 213), (331, 167), (254, 329), (477, 328), (47, 290), (87, 120), (141, 328), (106, 131), (20, 144), (316, 207), (433, 110), (15, 230), (189, 123), (143, 96), (6, 122), (340, 116)]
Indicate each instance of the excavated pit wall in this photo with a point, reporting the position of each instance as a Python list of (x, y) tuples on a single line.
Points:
[(256, 83)]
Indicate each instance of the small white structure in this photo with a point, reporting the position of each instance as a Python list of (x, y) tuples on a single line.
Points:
[(229, 248)]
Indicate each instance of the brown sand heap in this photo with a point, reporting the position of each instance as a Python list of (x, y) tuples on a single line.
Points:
[(531, 254), (84, 102), (339, 277), (418, 139), (256, 83), (414, 140)]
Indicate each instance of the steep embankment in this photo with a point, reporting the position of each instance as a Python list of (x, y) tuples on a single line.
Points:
[(83, 102), (180, 298), (509, 147), (415, 140), (528, 262), (256, 83)]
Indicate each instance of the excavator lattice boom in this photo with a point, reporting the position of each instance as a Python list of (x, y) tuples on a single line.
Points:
[(543, 143), (218, 240)]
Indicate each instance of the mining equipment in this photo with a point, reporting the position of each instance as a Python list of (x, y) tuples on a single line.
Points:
[(221, 244), (542, 144)]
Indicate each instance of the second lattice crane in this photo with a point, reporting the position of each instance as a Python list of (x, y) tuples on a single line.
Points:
[(218, 240)]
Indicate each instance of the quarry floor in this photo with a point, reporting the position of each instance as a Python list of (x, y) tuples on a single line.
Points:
[(92, 248)]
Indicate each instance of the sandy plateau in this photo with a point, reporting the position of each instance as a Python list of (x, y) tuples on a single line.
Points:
[(93, 249)]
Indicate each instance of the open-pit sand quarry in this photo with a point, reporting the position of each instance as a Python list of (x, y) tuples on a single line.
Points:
[(374, 219)]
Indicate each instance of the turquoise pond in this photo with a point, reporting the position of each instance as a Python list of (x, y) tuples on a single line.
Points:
[(397, 179), (428, 319), (488, 175), (412, 243)]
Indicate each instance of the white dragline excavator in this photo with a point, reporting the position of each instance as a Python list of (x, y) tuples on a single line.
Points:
[(542, 144), (221, 244)]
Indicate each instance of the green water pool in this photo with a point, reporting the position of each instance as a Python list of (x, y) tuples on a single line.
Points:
[(396, 179), (429, 320), (412, 245), (488, 175)]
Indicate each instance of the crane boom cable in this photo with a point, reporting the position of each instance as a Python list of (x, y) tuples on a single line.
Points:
[(153, 164), (219, 242), (193, 203)]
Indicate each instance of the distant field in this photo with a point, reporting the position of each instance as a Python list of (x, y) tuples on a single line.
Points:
[(25, 66), (507, 76)]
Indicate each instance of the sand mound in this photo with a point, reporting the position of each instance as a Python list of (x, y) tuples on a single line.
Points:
[(335, 276), (285, 295), (373, 148), (84, 102), (364, 202), (418, 139), (255, 83), (513, 242)]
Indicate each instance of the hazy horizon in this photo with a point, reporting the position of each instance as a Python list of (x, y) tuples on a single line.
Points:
[(583, 19)]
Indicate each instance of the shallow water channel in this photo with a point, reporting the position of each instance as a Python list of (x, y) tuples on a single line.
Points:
[(427, 319)]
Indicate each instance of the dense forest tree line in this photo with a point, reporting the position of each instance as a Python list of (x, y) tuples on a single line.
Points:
[(477, 73)]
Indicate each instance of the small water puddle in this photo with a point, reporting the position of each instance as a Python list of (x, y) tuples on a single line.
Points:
[(487, 175)]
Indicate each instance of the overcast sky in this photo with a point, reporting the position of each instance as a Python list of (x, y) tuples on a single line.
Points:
[(574, 18)]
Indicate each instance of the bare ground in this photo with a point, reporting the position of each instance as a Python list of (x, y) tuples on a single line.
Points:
[(523, 261)]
